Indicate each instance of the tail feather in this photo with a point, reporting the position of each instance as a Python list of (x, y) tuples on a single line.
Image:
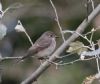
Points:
[(27, 55)]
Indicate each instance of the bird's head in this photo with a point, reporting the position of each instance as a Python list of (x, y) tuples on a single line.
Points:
[(50, 34)]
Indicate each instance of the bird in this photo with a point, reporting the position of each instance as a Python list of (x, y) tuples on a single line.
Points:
[(43, 47)]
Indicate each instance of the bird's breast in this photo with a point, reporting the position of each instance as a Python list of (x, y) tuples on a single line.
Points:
[(47, 51)]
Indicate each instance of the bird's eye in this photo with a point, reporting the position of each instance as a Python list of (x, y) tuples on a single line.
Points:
[(51, 35)]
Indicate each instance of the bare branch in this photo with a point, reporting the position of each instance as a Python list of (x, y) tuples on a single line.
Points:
[(46, 64), (92, 4), (57, 20), (9, 58), (26, 34), (72, 62)]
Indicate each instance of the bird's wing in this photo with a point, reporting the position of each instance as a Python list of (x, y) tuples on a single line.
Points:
[(43, 42), (40, 44)]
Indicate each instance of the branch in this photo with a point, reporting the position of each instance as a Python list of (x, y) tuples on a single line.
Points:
[(20, 28), (57, 20), (46, 64), (9, 58), (92, 79)]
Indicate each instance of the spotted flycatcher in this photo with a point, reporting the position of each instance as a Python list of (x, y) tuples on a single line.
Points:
[(43, 47)]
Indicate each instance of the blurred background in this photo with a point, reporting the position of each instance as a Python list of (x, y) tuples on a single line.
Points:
[(39, 19)]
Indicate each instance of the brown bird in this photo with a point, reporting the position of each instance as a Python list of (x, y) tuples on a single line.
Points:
[(43, 47)]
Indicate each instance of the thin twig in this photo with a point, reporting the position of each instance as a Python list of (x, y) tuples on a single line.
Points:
[(70, 31), (24, 30), (9, 58), (92, 4), (57, 20), (67, 63), (97, 61), (65, 55), (85, 37), (28, 38), (91, 38), (92, 31)]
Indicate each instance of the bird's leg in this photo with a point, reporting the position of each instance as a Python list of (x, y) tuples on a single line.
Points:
[(41, 62), (41, 59)]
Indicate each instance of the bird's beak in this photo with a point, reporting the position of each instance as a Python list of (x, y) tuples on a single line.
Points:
[(57, 36)]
